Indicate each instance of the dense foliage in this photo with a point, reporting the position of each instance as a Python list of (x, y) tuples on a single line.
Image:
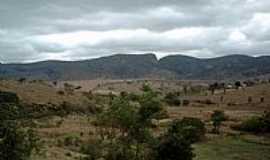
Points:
[(125, 130), (16, 143), (191, 129), (259, 124)]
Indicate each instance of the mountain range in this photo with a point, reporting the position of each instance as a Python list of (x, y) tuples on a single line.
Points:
[(143, 66)]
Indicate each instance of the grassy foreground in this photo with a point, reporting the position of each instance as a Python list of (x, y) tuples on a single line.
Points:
[(234, 148)]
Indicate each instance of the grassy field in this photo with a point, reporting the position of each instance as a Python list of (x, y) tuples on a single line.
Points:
[(234, 148)]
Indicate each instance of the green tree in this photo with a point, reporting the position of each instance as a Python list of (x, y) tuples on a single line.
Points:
[(217, 118), (191, 129), (125, 127), (172, 147)]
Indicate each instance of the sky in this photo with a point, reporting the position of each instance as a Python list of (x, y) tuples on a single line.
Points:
[(37, 30)]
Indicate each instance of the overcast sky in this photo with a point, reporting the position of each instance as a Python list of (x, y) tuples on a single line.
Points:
[(34, 30)]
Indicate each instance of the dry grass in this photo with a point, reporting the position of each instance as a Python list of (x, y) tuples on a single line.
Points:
[(51, 132), (41, 93)]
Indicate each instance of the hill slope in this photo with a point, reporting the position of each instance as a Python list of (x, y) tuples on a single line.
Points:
[(228, 67), (142, 66)]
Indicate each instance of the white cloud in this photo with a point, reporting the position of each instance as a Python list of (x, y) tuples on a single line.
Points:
[(237, 36), (191, 36), (258, 27), (2, 32), (72, 30)]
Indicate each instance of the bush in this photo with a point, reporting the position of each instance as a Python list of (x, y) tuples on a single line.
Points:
[(133, 97), (21, 80), (173, 147), (16, 143), (192, 129), (256, 124), (146, 88), (123, 94), (266, 119), (186, 102), (172, 99), (9, 111), (93, 149), (61, 93), (8, 97), (206, 101), (217, 118), (71, 140)]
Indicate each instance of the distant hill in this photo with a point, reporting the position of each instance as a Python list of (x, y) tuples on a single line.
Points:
[(227, 67), (123, 66)]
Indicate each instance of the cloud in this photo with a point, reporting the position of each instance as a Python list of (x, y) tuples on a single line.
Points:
[(258, 28), (70, 30)]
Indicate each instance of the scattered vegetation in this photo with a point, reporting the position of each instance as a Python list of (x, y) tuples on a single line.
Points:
[(122, 124), (125, 132), (259, 124)]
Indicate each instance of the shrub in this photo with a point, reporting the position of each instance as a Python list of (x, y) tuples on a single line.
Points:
[(133, 97), (61, 93), (173, 147), (262, 99), (8, 97), (71, 140), (21, 80), (172, 99), (123, 94), (78, 87), (93, 149), (192, 129), (186, 102), (237, 84), (253, 124), (150, 107), (146, 88), (9, 111), (206, 101), (213, 87), (266, 118), (249, 99), (217, 118), (256, 124), (16, 143), (55, 83)]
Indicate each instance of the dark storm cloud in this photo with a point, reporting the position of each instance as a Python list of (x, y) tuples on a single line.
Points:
[(32, 30)]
